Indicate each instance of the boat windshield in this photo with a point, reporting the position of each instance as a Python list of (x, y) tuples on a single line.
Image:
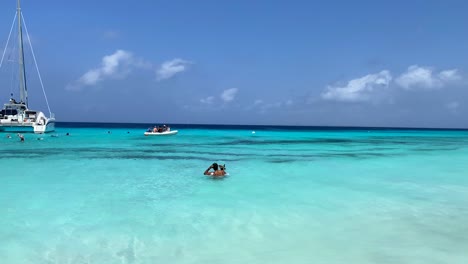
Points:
[(15, 106), (5, 112)]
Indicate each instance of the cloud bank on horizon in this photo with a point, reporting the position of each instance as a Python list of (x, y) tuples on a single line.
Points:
[(366, 88), (375, 87), (226, 96), (424, 78)]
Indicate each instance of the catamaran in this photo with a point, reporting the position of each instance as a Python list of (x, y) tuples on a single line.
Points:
[(16, 115)]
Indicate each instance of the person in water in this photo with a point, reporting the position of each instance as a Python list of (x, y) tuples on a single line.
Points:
[(217, 170)]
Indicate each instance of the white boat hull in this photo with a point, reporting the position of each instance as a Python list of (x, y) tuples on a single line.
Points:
[(26, 121), (27, 128), (168, 133)]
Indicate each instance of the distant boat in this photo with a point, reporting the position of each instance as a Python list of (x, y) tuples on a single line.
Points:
[(16, 116), (167, 133), (160, 131)]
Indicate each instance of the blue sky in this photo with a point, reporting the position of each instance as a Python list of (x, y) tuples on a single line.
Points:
[(337, 63)]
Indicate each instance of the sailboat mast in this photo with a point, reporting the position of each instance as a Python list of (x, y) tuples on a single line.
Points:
[(22, 72)]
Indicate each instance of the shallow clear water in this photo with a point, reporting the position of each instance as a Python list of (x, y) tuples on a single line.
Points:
[(293, 196)]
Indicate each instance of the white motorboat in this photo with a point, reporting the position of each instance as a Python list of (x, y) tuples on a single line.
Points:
[(166, 133), (17, 116)]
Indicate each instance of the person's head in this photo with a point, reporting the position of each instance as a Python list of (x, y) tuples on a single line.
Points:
[(215, 166), (222, 167)]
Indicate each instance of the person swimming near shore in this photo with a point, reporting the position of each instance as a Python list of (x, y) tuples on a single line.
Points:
[(218, 170), (21, 137)]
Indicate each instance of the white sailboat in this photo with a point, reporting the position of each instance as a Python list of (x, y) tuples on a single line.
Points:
[(16, 116)]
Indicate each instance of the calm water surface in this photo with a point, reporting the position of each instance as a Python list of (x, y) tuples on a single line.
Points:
[(293, 196)]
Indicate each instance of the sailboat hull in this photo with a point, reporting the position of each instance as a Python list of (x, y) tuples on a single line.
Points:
[(27, 128)]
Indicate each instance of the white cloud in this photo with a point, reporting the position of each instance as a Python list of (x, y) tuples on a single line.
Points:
[(229, 94), (425, 78), (117, 65), (91, 77), (360, 89), (170, 68), (449, 75), (111, 63), (207, 100), (120, 64)]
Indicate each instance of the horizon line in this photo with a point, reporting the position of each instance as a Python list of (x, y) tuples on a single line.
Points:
[(271, 125)]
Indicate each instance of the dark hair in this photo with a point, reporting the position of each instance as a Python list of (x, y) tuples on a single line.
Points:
[(215, 166), (222, 167)]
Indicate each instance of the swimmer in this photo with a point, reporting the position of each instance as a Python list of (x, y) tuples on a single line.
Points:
[(21, 137), (215, 172)]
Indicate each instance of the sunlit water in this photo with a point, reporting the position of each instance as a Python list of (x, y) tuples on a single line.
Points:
[(293, 196)]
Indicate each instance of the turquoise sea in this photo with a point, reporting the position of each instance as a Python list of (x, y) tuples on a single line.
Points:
[(107, 194)]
